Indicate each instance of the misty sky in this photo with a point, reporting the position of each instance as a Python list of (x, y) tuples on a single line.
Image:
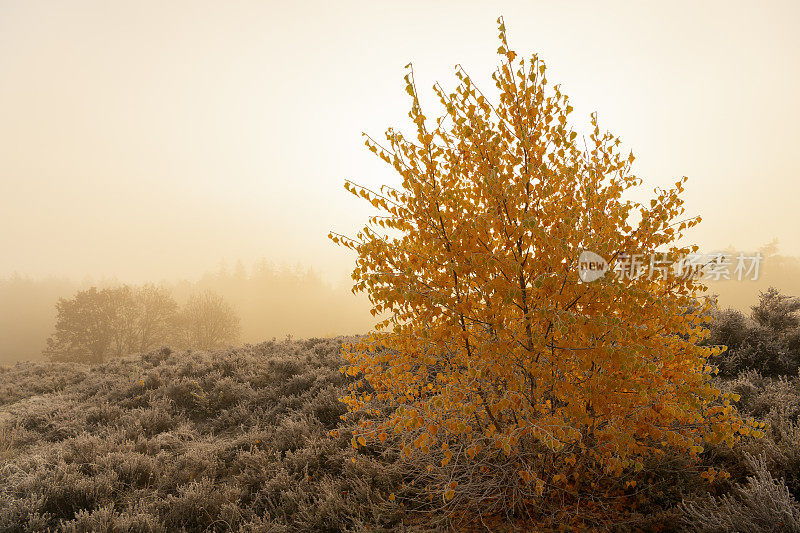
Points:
[(151, 140)]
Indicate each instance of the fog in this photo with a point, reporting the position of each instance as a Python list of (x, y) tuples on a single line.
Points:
[(144, 142)]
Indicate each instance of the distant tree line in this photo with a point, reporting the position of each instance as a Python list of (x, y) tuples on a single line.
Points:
[(96, 324)]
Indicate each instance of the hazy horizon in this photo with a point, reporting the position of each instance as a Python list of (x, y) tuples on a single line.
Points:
[(144, 142), (508, 328)]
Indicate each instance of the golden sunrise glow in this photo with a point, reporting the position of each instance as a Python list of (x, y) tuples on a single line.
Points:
[(149, 141)]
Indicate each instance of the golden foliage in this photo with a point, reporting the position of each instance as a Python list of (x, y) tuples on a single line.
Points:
[(491, 341)]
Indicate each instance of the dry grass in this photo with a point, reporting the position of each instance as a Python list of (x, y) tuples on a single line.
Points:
[(226, 441), (238, 440)]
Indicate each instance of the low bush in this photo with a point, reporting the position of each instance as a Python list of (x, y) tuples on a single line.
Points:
[(763, 504)]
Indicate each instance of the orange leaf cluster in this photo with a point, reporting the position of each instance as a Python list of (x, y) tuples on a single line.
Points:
[(489, 335)]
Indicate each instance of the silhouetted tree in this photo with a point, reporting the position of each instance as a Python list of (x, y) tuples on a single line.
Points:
[(208, 322), (84, 327), (156, 319), (98, 323)]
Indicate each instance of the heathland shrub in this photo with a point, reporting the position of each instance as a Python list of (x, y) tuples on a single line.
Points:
[(768, 341), (116, 447), (763, 504), (764, 486), (776, 401), (169, 441)]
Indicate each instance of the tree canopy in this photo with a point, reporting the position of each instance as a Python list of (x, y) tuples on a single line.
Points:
[(491, 345), (99, 323)]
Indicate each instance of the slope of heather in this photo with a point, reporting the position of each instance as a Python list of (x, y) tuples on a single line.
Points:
[(239, 440), (186, 441)]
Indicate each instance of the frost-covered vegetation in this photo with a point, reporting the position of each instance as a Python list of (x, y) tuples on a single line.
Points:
[(170, 441), (240, 440)]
